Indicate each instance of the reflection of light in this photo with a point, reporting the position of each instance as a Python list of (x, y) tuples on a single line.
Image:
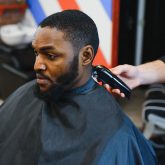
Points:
[(1, 101)]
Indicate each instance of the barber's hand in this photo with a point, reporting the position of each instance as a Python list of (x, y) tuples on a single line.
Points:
[(114, 91), (128, 74)]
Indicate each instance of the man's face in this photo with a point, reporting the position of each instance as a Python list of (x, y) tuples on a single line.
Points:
[(56, 63)]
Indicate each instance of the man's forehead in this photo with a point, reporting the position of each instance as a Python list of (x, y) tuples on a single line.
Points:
[(48, 30), (47, 35)]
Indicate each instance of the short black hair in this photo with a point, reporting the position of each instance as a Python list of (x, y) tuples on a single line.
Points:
[(77, 27)]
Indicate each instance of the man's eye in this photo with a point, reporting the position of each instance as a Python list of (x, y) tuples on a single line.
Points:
[(51, 56), (35, 52)]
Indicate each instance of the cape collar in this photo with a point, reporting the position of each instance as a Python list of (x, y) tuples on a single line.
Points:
[(88, 86)]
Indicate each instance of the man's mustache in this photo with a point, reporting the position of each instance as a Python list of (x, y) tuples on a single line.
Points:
[(42, 76)]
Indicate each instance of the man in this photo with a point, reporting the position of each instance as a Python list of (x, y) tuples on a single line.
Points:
[(64, 117)]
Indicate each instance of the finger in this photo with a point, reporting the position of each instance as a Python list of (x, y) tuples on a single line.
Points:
[(118, 92), (107, 87), (122, 95), (120, 69)]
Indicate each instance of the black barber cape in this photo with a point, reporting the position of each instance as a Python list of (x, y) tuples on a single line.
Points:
[(91, 129)]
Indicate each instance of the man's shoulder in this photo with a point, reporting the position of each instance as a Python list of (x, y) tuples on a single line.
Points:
[(24, 91), (27, 85), (101, 93), (99, 102), (100, 96), (127, 147)]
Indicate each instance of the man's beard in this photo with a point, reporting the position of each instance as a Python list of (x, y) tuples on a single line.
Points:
[(56, 92)]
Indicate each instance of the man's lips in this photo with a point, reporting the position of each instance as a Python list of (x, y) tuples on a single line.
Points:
[(42, 79), (40, 76)]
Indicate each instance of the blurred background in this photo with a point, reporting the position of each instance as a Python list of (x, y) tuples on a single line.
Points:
[(131, 31)]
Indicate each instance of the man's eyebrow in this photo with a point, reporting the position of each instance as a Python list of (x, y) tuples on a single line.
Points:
[(44, 48)]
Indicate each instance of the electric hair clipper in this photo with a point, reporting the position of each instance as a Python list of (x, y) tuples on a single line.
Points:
[(104, 75)]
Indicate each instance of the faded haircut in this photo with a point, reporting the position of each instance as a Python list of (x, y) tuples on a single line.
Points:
[(78, 28)]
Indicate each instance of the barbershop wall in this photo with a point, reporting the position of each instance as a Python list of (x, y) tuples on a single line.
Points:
[(152, 26)]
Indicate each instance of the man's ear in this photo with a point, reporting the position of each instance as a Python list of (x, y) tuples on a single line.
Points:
[(87, 55)]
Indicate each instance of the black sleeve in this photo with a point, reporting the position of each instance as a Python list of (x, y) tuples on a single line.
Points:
[(163, 59)]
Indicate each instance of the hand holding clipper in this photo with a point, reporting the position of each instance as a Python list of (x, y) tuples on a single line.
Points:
[(104, 75)]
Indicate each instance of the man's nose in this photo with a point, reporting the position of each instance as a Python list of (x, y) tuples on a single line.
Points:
[(39, 64)]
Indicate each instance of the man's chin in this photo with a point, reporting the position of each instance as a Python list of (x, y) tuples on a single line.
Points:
[(48, 93), (43, 88)]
